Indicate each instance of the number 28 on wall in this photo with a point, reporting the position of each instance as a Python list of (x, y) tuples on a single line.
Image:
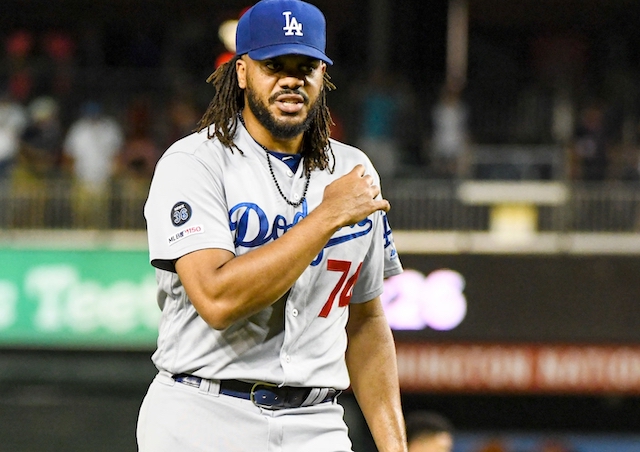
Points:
[(347, 288)]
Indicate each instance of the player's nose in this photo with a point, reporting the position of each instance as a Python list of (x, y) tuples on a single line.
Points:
[(291, 81)]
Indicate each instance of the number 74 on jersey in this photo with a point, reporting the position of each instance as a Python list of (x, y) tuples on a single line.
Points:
[(343, 289)]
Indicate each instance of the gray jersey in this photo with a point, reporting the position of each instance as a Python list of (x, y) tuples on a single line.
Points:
[(205, 196)]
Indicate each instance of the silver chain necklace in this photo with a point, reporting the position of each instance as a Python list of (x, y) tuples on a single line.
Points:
[(273, 176)]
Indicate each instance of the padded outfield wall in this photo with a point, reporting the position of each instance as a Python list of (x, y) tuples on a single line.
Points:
[(539, 335)]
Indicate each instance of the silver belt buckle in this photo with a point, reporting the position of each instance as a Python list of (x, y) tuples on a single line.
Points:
[(268, 400)]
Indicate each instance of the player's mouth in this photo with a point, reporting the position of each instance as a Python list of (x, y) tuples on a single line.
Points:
[(290, 103)]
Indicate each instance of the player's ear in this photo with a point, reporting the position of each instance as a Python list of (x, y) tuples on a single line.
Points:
[(241, 72)]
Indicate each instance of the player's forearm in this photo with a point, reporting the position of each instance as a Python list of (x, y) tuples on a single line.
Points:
[(371, 360), (280, 263), (249, 283)]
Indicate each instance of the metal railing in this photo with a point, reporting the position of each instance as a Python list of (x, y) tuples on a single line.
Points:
[(417, 204), (517, 162), (589, 207), (59, 204)]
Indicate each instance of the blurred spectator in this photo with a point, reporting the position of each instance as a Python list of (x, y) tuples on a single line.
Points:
[(40, 150), (137, 159), (13, 121), (381, 101), (91, 150), (448, 148), (60, 68), (140, 153), (589, 157), (631, 156), (37, 163), (428, 431), (19, 65), (183, 118), (135, 168)]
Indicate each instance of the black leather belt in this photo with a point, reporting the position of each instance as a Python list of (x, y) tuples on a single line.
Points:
[(267, 395)]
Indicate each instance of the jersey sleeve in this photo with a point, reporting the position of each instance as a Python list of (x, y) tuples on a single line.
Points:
[(186, 210), (392, 264), (382, 260)]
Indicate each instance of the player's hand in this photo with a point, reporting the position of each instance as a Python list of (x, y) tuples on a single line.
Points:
[(352, 197)]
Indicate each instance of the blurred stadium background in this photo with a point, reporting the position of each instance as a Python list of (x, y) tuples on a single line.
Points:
[(526, 227)]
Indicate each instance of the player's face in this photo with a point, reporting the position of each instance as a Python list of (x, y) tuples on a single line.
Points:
[(282, 93)]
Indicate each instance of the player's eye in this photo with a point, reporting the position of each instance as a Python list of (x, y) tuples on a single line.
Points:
[(272, 65), (307, 69)]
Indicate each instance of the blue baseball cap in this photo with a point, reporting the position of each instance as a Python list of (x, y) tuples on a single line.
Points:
[(272, 28)]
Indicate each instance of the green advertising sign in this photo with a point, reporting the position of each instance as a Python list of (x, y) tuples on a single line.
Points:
[(77, 299)]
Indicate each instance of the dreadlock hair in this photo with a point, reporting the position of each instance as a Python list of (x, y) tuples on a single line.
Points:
[(228, 101)]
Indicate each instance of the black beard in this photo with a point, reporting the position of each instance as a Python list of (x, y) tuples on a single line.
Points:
[(282, 131)]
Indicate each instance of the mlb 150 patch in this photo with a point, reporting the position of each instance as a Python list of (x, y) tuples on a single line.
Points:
[(184, 233)]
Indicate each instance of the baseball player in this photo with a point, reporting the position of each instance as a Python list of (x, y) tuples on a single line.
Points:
[(271, 243)]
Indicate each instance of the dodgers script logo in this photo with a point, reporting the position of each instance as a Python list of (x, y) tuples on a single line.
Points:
[(292, 26), (253, 228)]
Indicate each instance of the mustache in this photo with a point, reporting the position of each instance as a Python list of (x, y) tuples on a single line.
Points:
[(296, 92)]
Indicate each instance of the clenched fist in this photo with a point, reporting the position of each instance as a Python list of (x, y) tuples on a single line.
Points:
[(351, 198)]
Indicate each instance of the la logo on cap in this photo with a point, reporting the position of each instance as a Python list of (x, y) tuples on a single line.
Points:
[(292, 25), (273, 28)]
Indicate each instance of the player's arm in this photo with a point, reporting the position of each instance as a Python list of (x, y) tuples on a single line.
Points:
[(371, 360), (224, 288)]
